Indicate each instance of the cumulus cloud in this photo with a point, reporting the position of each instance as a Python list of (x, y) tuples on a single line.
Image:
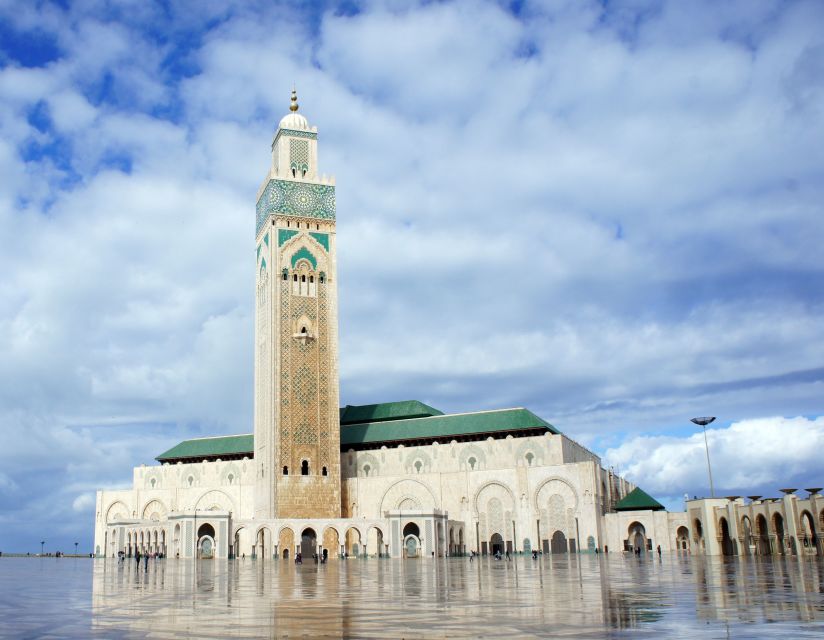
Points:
[(609, 214), (749, 456)]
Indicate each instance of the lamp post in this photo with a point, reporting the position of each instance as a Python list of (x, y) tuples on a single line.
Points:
[(42, 544), (703, 422), (75, 548)]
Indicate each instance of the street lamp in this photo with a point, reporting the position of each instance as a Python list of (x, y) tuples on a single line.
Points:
[(75, 548), (703, 422), (42, 544)]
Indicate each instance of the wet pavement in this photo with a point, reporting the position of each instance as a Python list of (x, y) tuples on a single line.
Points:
[(589, 596)]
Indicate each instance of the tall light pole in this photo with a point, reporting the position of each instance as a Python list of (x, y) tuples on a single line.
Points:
[(75, 548), (703, 422), (42, 544)]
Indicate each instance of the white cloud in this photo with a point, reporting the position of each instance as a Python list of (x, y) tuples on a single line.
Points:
[(84, 503), (750, 455)]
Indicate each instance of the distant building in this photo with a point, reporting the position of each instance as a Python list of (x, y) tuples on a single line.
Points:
[(772, 526), (399, 479)]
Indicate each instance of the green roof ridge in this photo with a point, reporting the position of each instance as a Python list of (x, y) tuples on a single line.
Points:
[(210, 446), (387, 422), (385, 411), (638, 500), (443, 426)]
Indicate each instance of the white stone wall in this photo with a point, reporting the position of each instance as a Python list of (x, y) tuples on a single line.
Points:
[(158, 490), (514, 487), (659, 527)]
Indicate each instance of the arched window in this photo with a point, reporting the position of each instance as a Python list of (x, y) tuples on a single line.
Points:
[(285, 274), (295, 278), (304, 468), (286, 471), (231, 478), (303, 278), (366, 469), (472, 462), (529, 458), (190, 480), (154, 482), (418, 465), (311, 278), (323, 472), (303, 329)]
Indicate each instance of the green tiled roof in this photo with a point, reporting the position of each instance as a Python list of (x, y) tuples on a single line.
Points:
[(638, 500), (442, 427), (386, 411), (210, 448), (391, 422)]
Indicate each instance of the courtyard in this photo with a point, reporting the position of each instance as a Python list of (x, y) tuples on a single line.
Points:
[(591, 596)]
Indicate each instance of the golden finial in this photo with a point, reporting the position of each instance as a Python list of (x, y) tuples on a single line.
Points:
[(294, 105)]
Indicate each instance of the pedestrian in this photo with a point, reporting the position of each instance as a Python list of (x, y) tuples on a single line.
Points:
[(137, 558), (659, 551), (146, 563)]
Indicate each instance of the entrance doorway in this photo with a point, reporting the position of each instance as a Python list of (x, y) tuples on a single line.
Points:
[(559, 543), (411, 540), (496, 544), (206, 542), (727, 545), (308, 543), (637, 537)]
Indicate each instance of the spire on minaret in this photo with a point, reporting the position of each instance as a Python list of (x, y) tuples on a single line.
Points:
[(294, 105)]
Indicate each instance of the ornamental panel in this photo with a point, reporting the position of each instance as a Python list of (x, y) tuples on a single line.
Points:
[(294, 198)]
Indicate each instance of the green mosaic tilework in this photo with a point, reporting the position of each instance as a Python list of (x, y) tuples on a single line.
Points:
[(295, 133), (258, 253), (323, 238), (284, 235), (266, 238), (304, 253), (296, 198)]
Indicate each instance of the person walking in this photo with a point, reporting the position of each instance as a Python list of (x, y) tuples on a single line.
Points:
[(659, 551), (137, 557)]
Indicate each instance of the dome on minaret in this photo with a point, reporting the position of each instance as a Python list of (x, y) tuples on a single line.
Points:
[(293, 119)]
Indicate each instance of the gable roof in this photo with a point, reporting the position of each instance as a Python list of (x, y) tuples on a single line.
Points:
[(442, 427), (386, 411), (638, 500)]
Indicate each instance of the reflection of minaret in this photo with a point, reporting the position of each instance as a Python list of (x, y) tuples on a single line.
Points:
[(297, 433)]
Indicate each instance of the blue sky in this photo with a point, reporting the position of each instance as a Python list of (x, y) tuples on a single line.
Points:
[(610, 213)]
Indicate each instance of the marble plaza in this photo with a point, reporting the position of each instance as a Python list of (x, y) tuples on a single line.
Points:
[(616, 595)]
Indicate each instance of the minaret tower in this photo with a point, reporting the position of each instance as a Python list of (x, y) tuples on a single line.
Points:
[(297, 424)]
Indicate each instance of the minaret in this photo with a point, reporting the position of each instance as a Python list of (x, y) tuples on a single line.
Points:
[(297, 422)]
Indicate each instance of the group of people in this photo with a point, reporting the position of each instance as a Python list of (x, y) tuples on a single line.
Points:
[(317, 558), (121, 558)]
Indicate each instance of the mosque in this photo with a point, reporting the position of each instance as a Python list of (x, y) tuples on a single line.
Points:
[(397, 479)]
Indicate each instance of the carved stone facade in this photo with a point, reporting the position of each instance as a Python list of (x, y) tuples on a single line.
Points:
[(296, 400)]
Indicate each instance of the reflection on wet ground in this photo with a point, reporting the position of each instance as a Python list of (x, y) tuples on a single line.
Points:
[(581, 596)]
